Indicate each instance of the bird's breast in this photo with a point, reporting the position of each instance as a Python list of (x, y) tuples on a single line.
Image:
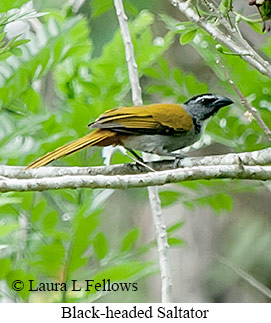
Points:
[(160, 144)]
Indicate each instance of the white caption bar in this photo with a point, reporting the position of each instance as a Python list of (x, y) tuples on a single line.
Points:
[(136, 312)]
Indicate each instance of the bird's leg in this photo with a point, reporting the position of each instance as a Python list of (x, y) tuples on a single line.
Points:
[(136, 155), (138, 159), (177, 157)]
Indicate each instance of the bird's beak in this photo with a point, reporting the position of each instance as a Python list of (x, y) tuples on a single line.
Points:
[(222, 101)]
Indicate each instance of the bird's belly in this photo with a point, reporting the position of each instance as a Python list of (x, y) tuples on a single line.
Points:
[(159, 144)]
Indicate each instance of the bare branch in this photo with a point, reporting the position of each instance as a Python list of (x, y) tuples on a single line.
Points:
[(129, 53), (160, 228), (143, 180), (230, 38), (162, 244), (247, 277), (254, 158), (246, 104)]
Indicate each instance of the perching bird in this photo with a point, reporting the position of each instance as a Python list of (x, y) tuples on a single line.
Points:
[(156, 128)]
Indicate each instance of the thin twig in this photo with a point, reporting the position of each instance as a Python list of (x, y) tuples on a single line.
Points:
[(228, 37), (247, 277), (246, 104), (160, 228)]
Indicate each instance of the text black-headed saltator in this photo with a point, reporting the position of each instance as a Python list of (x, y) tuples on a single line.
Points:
[(156, 128)]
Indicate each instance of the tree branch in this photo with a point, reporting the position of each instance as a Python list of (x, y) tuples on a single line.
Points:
[(142, 180), (160, 228), (231, 39), (246, 276), (129, 53), (252, 110), (254, 158)]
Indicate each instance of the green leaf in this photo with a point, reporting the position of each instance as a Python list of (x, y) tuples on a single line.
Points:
[(168, 197), (100, 245), (4, 267), (175, 227), (27, 200), (127, 271), (225, 7), (7, 200), (178, 77), (4, 55), (51, 47), (6, 229), (83, 226), (14, 42), (38, 210), (130, 239), (175, 242), (98, 7), (112, 62), (256, 26), (188, 36), (50, 221), (11, 4), (2, 36), (24, 277), (32, 99), (48, 259), (16, 51), (219, 202)]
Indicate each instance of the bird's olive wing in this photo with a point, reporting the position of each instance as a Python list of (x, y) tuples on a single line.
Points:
[(150, 119)]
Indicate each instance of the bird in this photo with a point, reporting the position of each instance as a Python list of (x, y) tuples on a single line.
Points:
[(160, 128)]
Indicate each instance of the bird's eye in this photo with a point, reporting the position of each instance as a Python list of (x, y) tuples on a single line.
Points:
[(203, 99), (207, 101)]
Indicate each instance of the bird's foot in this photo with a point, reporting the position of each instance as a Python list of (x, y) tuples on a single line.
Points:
[(177, 161), (139, 160)]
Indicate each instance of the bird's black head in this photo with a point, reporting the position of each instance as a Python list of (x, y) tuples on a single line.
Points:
[(203, 106)]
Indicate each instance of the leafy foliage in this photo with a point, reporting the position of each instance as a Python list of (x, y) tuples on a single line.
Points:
[(52, 84), (58, 236), (99, 7), (215, 194), (6, 5)]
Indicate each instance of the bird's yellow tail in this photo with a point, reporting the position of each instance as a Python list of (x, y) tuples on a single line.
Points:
[(98, 137)]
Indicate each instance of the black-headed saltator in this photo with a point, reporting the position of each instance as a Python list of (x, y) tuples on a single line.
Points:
[(156, 128)]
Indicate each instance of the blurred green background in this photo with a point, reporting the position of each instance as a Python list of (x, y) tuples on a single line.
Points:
[(71, 70)]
